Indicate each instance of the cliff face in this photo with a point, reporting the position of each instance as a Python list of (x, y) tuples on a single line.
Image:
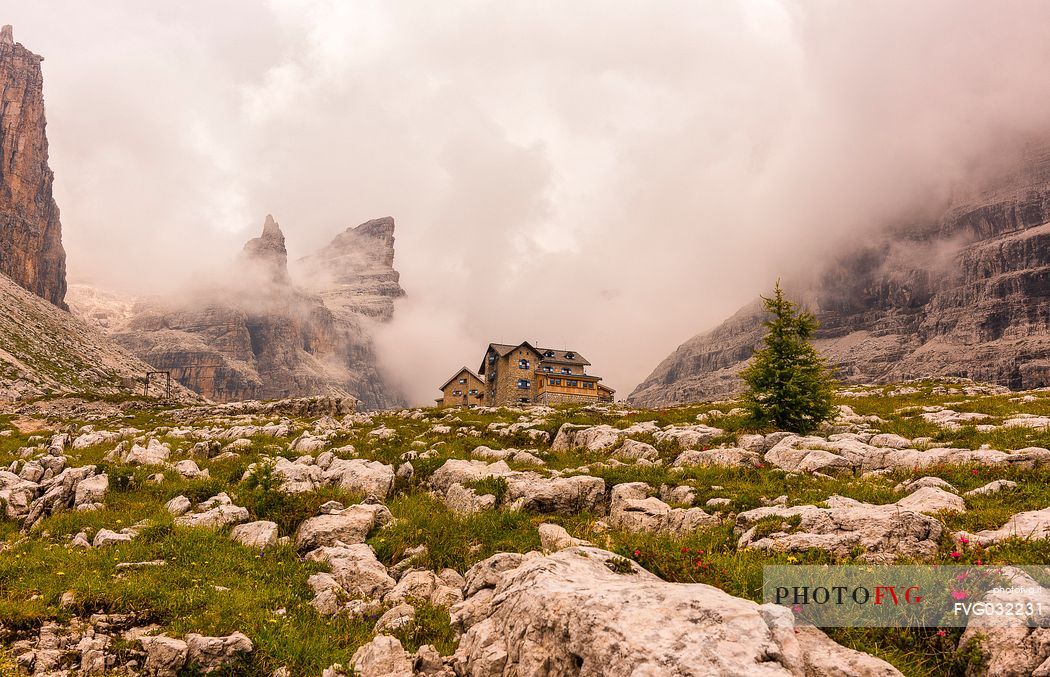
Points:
[(31, 250), (966, 294), (354, 273), (259, 336), (45, 350)]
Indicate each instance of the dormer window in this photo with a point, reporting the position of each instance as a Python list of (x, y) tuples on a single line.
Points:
[(570, 356), (549, 353), (523, 364)]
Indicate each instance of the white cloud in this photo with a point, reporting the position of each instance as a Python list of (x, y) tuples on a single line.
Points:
[(611, 177)]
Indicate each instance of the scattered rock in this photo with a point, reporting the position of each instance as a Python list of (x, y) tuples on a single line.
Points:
[(258, 535), (1032, 525), (382, 657), (350, 525), (876, 533)]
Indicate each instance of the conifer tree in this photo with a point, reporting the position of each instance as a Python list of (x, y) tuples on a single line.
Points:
[(788, 383)]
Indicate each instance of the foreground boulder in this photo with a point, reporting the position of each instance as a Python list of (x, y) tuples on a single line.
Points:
[(584, 611)]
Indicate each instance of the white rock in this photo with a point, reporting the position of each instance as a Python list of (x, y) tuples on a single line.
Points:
[(216, 517), (382, 657), (154, 453), (180, 505), (932, 500), (351, 525), (572, 614), (189, 469), (361, 476), (395, 618), (553, 537), (631, 509), (212, 653), (356, 569), (165, 656), (106, 537), (258, 535), (91, 489), (1032, 525), (993, 487), (881, 532)]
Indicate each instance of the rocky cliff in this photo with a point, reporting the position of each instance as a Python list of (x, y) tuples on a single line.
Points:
[(354, 273), (31, 250), (964, 294), (256, 335)]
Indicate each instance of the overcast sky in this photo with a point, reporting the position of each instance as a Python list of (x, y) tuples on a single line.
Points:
[(611, 177)]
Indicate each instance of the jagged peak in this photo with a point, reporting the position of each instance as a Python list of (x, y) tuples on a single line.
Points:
[(269, 250), (378, 228), (7, 35), (272, 229)]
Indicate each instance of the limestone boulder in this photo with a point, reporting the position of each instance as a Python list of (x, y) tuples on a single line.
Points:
[(584, 611), (465, 501), (689, 437), (590, 438), (356, 475), (456, 471), (554, 537), (350, 525), (215, 513), (632, 509), (356, 569), (382, 657), (1031, 525), (725, 456), (165, 656), (932, 500), (880, 533), (258, 535), (555, 495), (211, 654)]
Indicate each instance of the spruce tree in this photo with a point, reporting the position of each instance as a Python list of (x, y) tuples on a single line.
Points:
[(788, 383)]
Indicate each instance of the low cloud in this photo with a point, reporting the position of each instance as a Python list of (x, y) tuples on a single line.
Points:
[(611, 178)]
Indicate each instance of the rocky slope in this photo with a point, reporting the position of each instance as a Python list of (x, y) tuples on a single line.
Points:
[(964, 294), (45, 350), (31, 250), (258, 335), (301, 538)]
